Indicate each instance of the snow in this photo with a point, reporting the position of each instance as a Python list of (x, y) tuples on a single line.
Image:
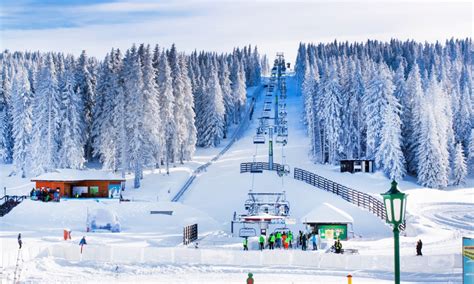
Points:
[(77, 175), (149, 248), (327, 213)]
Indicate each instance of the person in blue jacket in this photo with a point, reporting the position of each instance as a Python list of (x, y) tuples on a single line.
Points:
[(314, 239), (83, 242)]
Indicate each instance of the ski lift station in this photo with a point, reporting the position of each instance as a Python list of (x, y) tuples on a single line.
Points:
[(77, 183), (329, 222), (263, 209)]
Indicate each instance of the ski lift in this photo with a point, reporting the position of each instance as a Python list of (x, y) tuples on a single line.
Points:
[(247, 232), (283, 170), (280, 139), (259, 139), (256, 168)]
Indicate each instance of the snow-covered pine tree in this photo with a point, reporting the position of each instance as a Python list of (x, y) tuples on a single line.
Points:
[(85, 87), (6, 141), (151, 120), (189, 144), (71, 152), (21, 110), (134, 110), (330, 110), (214, 110), (470, 155), (411, 118), (379, 88), (166, 100), (460, 166), (178, 111), (239, 91), (224, 79), (389, 155), (45, 132)]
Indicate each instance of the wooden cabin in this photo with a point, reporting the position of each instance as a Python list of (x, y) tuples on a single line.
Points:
[(77, 183), (356, 166)]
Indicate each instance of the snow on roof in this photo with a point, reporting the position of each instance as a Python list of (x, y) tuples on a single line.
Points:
[(76, 175), (327, 213)]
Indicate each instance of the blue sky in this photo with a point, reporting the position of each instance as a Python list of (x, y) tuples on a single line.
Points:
[(99, 25)]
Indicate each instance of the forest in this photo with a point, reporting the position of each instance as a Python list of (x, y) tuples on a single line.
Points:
[(406, 105), (147, 107)]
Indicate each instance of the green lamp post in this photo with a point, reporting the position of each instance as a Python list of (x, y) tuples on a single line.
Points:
[(395, 204)]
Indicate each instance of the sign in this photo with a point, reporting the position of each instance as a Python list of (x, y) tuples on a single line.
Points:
[(333, 232), (247, 232), (467, 260)]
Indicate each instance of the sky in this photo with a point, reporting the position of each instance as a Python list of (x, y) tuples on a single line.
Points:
[(96, 26)]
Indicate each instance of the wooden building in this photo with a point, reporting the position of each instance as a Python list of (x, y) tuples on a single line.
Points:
[(356, 166), (77, 183)]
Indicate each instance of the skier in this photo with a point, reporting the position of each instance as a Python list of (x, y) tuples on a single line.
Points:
[(290, 238), (83, 242), (315, 242), (261, 241), (19, 240), (278, 239), (419, 245), (338, 246), (246, 243), (303, 242), (272, 241)]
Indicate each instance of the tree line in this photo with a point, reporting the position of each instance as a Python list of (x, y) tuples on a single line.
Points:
[(147, 107), (406, 105)]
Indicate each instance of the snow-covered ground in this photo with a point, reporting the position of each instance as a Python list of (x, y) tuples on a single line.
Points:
[(149, 247)]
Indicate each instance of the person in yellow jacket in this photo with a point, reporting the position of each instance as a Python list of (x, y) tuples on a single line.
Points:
[(261, 241)]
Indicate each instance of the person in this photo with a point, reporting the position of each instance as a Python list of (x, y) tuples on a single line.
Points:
[(303, 242), (286, 243), (300, 238), (315, 242), (338, 246), (246, 243), (283, 239), (272, 241), (419, 245), (20, 242), (261, 241), (83, 242), (56, 195), (290, 238), (278, 239)]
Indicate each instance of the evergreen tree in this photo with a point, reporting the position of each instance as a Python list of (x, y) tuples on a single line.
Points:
[(85, 87), (460, 166), (214, 112), (22, 97), (166, 100), (71, 152), (189, 144), (45, 133)]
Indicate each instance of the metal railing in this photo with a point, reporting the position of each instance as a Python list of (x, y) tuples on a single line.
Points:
[(10, 202), (249, 166), (361, 199), (237, 133)]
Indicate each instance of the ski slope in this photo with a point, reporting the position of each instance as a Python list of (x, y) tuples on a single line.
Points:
[(149, 247)]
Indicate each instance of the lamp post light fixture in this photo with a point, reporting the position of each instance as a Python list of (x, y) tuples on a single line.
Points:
[(395, 205)]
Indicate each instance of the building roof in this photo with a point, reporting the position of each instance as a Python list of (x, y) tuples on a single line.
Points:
[(327, 213), (78, 175)]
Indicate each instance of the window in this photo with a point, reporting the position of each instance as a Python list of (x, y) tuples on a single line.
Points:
[(93, 190)]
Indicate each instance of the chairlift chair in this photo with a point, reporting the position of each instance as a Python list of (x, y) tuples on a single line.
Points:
[(259, 139)]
